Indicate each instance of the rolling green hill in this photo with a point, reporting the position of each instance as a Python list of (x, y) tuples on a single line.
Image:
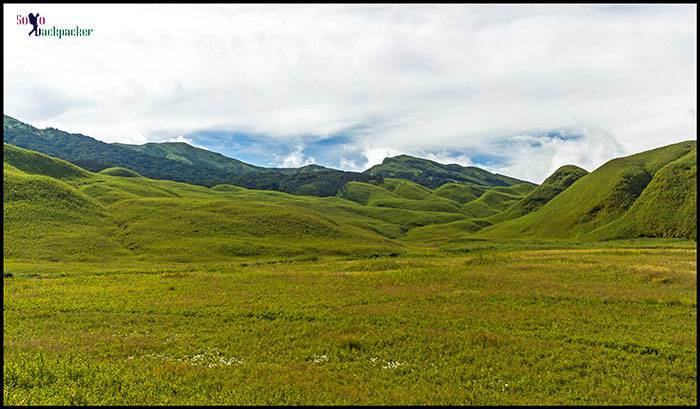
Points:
[(490, 203), (460, 192), (123, 172), (407, 189), (45, 215), (40, 164), (55, 210), (399, 194), (658, 180), (447, 232), (365, 193), (552, 186), (666, 208), (518, 189), (432, 174)]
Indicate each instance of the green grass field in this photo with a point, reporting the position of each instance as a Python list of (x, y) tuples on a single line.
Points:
[(555, 324), (119, 289)]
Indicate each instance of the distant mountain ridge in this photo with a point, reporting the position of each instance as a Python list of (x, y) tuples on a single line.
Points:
[(181, 162), (433, 175), (175, 161), (190, 155)]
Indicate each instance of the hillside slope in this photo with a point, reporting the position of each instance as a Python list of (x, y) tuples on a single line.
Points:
[(190, 155), (433, 175), (666, 208), (47, 217), (607, 194), (490, 203), (561, 179), (405, 194), (460, 192), (36, 163)]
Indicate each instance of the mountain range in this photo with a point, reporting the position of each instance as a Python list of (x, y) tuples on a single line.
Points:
[(185, 163)]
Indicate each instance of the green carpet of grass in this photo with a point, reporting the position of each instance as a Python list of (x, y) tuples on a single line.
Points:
[(585, 325)]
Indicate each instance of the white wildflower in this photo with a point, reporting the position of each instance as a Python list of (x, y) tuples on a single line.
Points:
[(319, 358), (391, 365)]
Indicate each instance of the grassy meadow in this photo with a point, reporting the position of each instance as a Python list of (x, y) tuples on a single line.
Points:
[(579, 324), (119, 289)]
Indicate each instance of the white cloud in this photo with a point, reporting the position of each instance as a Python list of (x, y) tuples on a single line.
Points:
[(433, 78), (182, 139), (375, 156), (351, 165), (296, 159), (533, 158), (447, 159)]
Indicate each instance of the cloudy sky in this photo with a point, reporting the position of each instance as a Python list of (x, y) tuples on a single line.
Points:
[(520, 90)]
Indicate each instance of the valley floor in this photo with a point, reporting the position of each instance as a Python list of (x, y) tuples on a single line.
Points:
[(599, 324)]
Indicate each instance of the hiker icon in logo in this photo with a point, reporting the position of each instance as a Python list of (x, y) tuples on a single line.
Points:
[(33, 21)]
